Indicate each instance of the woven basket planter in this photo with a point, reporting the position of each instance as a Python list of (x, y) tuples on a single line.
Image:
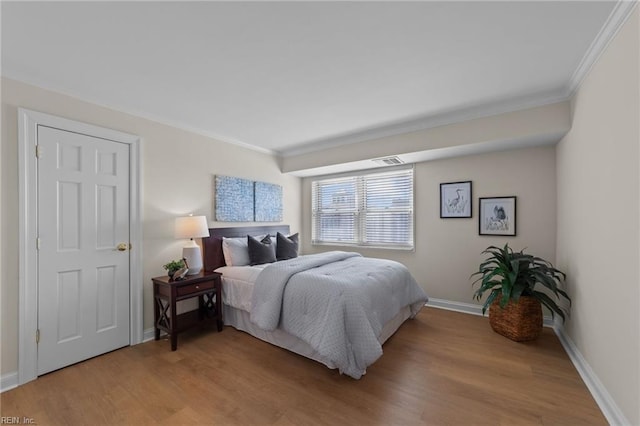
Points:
[(520, 321)]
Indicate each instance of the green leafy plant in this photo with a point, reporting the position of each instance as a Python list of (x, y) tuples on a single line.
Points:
[(173, 266), (510, 275)]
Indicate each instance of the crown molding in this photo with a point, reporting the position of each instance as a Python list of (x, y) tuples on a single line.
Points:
[(618, 16), (136, 113), (427, 122)]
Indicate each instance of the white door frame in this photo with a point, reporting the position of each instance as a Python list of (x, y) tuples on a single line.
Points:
[(28, 122)]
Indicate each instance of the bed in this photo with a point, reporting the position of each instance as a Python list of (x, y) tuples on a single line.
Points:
[(337, 308)]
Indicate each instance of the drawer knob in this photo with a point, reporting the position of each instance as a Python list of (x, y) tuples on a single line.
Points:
[(197, 287)]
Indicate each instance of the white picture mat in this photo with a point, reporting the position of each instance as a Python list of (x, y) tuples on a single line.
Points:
[(497, 216)]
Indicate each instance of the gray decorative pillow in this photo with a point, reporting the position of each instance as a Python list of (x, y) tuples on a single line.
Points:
[(261, 251), (287, 247)]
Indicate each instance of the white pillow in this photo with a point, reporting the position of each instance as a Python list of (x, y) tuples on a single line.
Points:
[(235, 251)]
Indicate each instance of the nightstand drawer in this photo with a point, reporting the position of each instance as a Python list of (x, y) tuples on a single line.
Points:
[(194, 288)]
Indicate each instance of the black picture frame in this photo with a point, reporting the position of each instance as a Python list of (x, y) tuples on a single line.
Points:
[(497, 216), (456, 200)]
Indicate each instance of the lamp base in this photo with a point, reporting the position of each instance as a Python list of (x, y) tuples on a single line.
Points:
[(193, 255)]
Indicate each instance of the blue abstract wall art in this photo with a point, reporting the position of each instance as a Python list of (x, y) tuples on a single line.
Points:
[(234, 199), (243, 200), (268, 202)]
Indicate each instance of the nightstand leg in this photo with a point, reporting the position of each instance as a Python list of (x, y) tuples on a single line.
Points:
[(219, 305), (174, 341), (156, 313), (174, 325)]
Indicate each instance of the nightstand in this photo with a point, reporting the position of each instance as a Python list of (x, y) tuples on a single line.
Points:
[(206, 286)]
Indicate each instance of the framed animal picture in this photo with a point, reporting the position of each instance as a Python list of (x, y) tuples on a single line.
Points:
[(497, 216), (455, 200)]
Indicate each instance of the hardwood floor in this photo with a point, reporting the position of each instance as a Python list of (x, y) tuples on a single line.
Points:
[(442, 368)]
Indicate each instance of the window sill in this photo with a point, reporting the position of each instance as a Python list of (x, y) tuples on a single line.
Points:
[(365, 246)]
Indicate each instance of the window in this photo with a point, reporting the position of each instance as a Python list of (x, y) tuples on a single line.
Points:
[(374, 209)]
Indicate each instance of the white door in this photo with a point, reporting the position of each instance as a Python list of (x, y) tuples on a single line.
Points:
[(83, 256)]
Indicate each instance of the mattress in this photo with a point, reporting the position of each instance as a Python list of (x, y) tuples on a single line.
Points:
[(237, 290), (240, 320), (237, 285)]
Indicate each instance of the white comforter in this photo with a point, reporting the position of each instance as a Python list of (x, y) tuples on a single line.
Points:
[(337, 302)]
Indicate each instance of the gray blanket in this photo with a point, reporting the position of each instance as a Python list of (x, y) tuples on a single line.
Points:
[(337, 302)]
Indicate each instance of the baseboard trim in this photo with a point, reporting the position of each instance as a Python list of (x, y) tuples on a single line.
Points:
[(607, 405), (148, 335), (449, 305), (471, 308), (8, 381), (605, 402)]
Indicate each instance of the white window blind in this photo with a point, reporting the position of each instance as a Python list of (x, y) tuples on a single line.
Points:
[(374, 209)]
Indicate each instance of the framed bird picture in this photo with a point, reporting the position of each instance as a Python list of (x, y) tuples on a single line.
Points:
[(455, 200), (497, 216)]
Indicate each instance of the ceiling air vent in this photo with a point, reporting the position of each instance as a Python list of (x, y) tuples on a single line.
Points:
[(389, 161)]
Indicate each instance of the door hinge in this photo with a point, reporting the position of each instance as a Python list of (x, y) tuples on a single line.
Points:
[(37, 336), (38, 243), (38, 151)]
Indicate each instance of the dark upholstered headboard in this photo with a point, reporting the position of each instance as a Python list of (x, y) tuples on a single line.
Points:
[(212, 246)]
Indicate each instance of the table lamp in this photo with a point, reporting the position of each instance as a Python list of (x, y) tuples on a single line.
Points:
[(192, 227)]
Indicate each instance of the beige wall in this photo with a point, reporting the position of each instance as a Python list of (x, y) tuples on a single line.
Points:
[(598, 218), (448, 251), (178, 169)]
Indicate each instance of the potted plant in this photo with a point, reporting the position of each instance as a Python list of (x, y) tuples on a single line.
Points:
[(173, 266), (514, 304)]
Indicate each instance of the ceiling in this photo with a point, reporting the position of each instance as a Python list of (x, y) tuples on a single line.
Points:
[(293, 77)]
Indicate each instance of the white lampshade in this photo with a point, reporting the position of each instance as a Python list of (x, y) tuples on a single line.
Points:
[(192, 227)]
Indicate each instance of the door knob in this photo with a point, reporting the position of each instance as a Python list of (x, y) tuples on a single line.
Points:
[(123, 246)]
